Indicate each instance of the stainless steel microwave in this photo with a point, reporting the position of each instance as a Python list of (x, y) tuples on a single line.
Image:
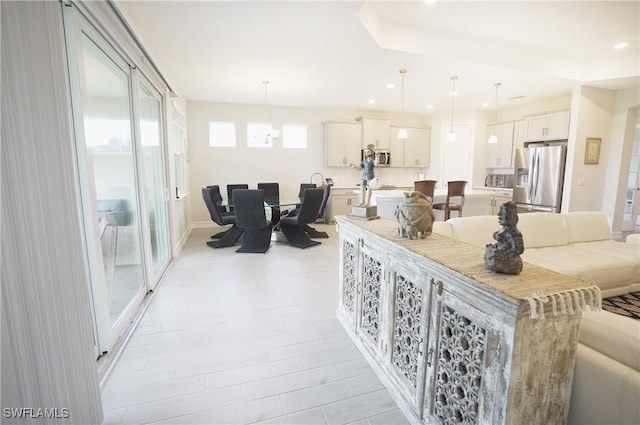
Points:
[(384, 157)]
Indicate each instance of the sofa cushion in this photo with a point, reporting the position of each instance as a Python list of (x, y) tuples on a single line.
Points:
[(612, 273), (475, 230), (613, 335), (586, 226), (542, 229)]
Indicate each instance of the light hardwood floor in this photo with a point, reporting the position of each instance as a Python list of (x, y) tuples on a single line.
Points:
[(234, 338)]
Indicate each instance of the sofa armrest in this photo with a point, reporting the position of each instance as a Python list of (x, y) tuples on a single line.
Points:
[(443, 228), (604, 391)]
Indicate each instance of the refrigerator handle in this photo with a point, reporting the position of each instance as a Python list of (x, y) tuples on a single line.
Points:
[(533, 178)]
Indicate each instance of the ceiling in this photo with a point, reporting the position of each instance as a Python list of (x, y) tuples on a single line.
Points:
[(341, 54)]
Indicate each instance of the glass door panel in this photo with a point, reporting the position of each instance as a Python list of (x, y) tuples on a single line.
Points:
[(631, 215), (111, 162), (155, 191)]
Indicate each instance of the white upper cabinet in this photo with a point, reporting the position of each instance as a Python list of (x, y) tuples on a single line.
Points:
[(375, 132), (500, 155), (554, 126), (414, 151), (342, 144)]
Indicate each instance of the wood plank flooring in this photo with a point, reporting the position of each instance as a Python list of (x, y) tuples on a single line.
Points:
[(234, 338)]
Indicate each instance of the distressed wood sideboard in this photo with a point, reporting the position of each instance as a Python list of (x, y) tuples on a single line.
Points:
[(453, 342)]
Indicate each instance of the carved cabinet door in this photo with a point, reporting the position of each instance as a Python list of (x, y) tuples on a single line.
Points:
[(371, 291), (407, 331), (466, 361), (348, 278)]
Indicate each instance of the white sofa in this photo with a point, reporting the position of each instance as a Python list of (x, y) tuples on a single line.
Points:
[(577, 244), (606, 387)]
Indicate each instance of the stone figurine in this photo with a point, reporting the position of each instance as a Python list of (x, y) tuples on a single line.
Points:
[(415, 216), (367, 165), (504, 255)]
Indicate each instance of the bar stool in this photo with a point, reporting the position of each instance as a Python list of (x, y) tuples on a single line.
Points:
[(455, 189), (426, 187)]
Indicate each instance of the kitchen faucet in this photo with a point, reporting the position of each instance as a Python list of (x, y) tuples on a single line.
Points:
[(321, 176)]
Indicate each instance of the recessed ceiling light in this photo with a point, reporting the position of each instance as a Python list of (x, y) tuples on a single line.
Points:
[(621, 46), (485, 104), (391, 85), (429, 106), (372, 101)]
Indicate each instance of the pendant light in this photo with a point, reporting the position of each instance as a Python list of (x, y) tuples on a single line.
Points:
[(451, 136), (402, 134), (270, 133), (493, 138)]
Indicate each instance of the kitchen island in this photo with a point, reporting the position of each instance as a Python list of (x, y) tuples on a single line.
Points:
[(477, 202), (453, 342)]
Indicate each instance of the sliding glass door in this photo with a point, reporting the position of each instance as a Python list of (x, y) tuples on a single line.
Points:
[(121, 169), (156, 196)]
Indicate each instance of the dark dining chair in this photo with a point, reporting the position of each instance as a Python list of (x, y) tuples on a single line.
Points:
[(217, 198), (272, 197), (313, 233), (426, 187), (250, 217), (303, 187), (293, 227), (231, 236), (230, 189), (455, 191)]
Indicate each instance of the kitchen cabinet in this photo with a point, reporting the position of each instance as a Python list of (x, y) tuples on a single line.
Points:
[(500, 155), (340, 202), (451, 342), (553, 126), (414, 151), (375, 132), (342, 144)]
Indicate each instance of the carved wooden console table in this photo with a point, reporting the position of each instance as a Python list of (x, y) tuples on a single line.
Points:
[(453, 342)]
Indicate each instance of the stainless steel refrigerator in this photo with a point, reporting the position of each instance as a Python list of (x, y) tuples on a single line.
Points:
[(539, 176)]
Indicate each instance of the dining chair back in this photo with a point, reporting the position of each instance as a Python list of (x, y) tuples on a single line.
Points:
[(293, 227), (325, 198), (229, 237), (251, 218), (230, 189), (217, 198), (272, 197), (426, 187), (304, 186), (455, 192)]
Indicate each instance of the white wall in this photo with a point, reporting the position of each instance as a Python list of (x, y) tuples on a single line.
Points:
[(595, 113), (592, 116), (288, 167), (624, 119)]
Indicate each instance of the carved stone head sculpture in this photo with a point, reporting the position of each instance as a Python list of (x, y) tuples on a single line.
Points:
[(415, 216), (504, 255)]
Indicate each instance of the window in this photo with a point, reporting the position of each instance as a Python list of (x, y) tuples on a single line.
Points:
[(222, 134), (257, 135), (294, 136)]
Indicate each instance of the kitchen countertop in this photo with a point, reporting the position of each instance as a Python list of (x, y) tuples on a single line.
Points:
[(474, 193), (494, 189)]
